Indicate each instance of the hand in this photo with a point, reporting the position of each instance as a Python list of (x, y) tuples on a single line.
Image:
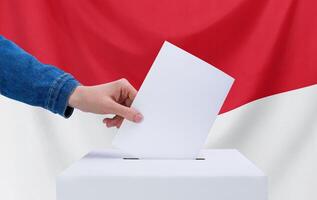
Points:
[(110, 98)]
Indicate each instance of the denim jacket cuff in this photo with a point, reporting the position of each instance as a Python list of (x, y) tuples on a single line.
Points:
[(59, 94)]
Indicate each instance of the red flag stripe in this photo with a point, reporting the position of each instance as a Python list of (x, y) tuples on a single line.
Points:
[(267, 46)]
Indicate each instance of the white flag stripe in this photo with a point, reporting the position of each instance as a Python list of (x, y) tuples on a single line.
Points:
[(278, 133)]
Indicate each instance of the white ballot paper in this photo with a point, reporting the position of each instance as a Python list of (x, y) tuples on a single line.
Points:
[(179, 99)]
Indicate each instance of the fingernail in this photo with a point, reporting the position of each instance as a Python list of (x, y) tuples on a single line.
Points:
[(138, 118)]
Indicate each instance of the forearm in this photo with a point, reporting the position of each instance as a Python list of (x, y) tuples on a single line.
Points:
[(24, 78)]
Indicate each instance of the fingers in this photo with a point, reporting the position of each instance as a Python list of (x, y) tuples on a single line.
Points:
[(115, 121), (122, 98), (128, 90), (131, 90), (127, 112)]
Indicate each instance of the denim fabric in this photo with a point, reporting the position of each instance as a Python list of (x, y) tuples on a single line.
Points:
[(24, 78)]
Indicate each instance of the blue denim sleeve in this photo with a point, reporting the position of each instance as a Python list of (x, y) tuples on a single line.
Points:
[(24, 78)]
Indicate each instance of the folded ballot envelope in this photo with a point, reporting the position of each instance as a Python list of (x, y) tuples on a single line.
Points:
[(179, 99), (110, 174)]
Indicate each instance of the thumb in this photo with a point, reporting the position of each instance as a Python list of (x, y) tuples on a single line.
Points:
[(127, 112)]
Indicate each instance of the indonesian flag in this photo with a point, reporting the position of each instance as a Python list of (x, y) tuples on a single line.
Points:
[(268, 46)]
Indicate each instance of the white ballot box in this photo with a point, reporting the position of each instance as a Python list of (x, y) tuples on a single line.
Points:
[(215, 175)]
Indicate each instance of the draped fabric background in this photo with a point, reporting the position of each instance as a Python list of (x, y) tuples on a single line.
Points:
[(268, 46)]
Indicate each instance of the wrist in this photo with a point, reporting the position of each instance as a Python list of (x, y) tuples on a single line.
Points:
[(75, 97)]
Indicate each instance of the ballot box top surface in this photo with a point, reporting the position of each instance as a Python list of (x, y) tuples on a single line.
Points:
[(211, 163)]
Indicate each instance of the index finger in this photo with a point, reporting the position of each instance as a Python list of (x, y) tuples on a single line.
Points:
[(131, 91)]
